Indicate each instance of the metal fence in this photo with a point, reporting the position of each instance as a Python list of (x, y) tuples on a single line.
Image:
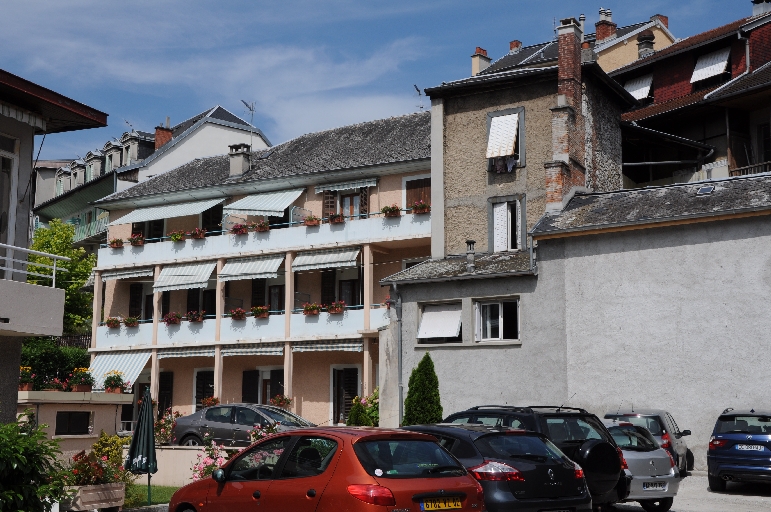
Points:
[(7, 261), (79, 341), (751, 169)]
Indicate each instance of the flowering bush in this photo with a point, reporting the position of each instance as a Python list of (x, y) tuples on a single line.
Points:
[(56, 385), (90, 469), (164, 427), (131, 321), (81, 376), (238, 314), (195, 316), (198, 233), (172, 318), (210, 401), (177, 236), (260, 311), (281, 401), (25, 375), (239, 229), (259, 432), (261, 225), (112, 322), (311, 308), (211, 457), (371, 405), (114, 379), (137, 239)]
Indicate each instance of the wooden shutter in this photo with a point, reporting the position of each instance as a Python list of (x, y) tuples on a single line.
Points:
[(330, 203), (165, 391), (350, 386), (135, 299), (418, 190), (276, 383), (364, 202), (500, 227), (258, 292), (250, 387), (328, 286)]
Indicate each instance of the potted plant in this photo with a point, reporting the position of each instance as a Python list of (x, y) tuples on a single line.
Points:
[(420, 207), (281, 401), (195, 316), (95, 482), (172, 318), (26, 377), (131, 321), (210, 401), (55, 385), (238, 314), (198, 233), (311, 220), (391, 211), (137, 239), (260, 311), (81, 380), (239, 229), (311, 308), (336, 218), (336, 307), (113, 382), (164, 427), (115, 243), (112, 322), (260, 226), (177, 236)]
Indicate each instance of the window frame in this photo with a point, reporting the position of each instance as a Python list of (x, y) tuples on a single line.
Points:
[(89, 430), (521, 142), (519, 203), (405, 179), (479, 303)]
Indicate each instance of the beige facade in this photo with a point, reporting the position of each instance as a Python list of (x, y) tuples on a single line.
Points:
[(625, 51)]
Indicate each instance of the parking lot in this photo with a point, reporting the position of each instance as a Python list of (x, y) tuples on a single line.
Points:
[(695, 496)]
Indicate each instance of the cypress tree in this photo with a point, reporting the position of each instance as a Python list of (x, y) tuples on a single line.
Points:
[(357, 417), (423, 404)]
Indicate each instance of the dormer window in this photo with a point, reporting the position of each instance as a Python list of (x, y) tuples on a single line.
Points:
[(711, 69), (505, 140), (640, 87)]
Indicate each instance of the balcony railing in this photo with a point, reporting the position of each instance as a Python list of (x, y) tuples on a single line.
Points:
[(7, 261), (95, 228), (751, 169)]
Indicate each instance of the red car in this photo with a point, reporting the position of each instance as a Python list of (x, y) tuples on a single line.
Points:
[(336, 469)]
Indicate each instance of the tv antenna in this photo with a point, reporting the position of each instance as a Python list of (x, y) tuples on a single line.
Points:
[(250, 108), (420, 95), (129, 124), (569, 399)]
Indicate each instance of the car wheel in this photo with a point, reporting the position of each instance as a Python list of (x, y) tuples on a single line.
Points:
[(191, 441), (689, 460), (716, 484), (601, 465), (661, 505)]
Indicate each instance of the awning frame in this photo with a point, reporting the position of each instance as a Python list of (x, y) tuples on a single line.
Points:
[(347, 185), (167, 211), (195, 271), (317, 260), (271, 204)]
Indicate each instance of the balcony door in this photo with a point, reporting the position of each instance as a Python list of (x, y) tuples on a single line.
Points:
[(204, 386), (276, 296), (350, 205), (349, 292), (345, 386)]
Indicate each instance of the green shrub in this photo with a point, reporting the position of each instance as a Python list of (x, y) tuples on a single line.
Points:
[(111, 446), (49, 361), (358, 417), (423, 404)]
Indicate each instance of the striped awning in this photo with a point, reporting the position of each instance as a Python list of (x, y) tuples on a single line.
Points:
[(109, 275), (254, 349), (348, 185), (334, 258), (167, 211), (264, 267), (182, 277), (711, 64), (129, 363), (186, 352), (503, 135), (271, 203), (328, 346), (640, 87)]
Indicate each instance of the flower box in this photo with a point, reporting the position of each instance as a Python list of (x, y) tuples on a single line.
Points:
[(176, 236), (116, 243), (261, 226), (239, 229), (238, 314), (131, 321), (172, 318), (391, 211), (260, 312), (81, 388), (337, 218), (311, 308), (137, 240), (112, 322), (90, 497), (195, 317), (421, 211), (396, 213), (311, 221), (335, 310), (115, 391), (198, 233), (26, 386)]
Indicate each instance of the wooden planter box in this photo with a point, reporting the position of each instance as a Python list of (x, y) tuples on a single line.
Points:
[(81, 388), (262, 315), (335, 311), (90, 497), (27, 386), (421, 211), (397, 213), (314, 222), (311, 312)]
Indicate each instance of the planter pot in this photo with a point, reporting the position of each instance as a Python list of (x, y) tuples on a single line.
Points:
[(27, 386), (131, 324), (115, 391), (181, 240), (173, 322), (311, 312), (239, 317), (116, 246), (196, 321), (81, 388), (137, 243), (422, 211), (393, 214), (90, 497), (113, 326), (198, 237), (262, 315), (310, 223), (262, 229), (335, 311), (337, 220)]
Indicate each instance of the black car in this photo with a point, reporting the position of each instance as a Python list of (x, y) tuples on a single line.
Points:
[(578, 433), (518, 469)]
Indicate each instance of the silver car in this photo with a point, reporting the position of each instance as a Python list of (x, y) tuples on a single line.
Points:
[(655, 479), (229, 424)]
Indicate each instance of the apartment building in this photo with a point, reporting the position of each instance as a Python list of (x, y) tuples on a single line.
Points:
[(344, 177)]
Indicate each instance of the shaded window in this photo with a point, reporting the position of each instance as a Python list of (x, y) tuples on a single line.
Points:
[(349, 292), (258, 292), (165, 391), (349, 205), (212, 218), (328, 279), (148, 307), (280, 222), (310, 456), (506, 226), (204, 385), (440, 323), (276, 383), (136, 291), (276, 294), (250, 387), (219, 414), (193, 300), (345, 387), (210, 302), (764, 142), (165, 303), (72, 423), (418, 190), (259, 462), (506, 140)]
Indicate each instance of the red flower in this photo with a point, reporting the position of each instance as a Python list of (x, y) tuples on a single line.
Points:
[(74, 471)]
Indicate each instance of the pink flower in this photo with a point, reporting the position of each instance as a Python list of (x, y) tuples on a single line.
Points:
[(104, 457)]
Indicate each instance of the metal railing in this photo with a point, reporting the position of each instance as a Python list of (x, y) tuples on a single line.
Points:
[(751, 169), (8, 260), (91, 229), (80, 341)]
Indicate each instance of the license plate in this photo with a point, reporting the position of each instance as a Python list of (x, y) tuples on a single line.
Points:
[(750, 447), (654, 486), (441, 504)]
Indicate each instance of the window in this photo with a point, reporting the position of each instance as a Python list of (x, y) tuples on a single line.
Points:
[(73, 423), (258, 292), (310, 456), (328, 279), (136, 291), (259, 462), (250, 387), (711, 65), (345, 385), (505, 140), (764, 142), (89, 172), (440, 323), (498, 321), (417, 190), (276, 295), (506, 226), (204, 386), (211, 219), (193, 302), (349, 292), (108, 164), (349, 205), (249, 417), (6, 173), (406, 458), (165, 390)]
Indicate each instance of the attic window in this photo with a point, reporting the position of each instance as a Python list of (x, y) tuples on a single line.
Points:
[(504, 140), (705, 191), (711, 64), (639, 87)]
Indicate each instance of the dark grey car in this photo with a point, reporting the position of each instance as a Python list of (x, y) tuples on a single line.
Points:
[(229, 424)]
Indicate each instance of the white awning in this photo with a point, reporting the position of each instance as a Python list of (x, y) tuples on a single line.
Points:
[(182, 277), (186, 352), (129, 363), (265, 267), (639, 87), (348, 185), (503, 135), (440, 321), (110, 275), (167, 211), (711, 64), (331, 346), (271, 203), (334, 258), (254, 349)]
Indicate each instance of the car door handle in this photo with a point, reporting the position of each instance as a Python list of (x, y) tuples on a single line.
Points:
[(311, 493), (256, 495)]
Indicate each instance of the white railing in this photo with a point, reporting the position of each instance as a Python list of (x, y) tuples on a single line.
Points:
[(8, 261)]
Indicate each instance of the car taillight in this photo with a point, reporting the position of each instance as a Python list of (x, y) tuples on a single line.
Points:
[(579, 471), (624, 465), (666, 440), (372, 494), (496, 472), (480, 492), (714, 444)]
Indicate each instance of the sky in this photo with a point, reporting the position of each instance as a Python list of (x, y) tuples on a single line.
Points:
[(307, 65)]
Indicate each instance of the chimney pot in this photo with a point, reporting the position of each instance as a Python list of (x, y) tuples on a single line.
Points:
[(760, 7), (168, 121), (479, 61), (515, 46), (645, 43), (470, 266), (605, 28), (240, 158)]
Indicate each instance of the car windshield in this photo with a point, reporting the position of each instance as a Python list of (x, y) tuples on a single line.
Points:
[(517, 446), (652, 423), (285, 418), (633, 438), (406, 458), (574, 429), (743, 424)]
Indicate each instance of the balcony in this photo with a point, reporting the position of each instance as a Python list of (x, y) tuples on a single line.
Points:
[(91, 230), (751, 169), (296, 238)]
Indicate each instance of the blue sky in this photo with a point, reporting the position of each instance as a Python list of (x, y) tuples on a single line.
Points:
[(307, 65)]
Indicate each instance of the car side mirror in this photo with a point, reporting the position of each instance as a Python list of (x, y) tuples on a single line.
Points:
[(218, 475), (685, 433)]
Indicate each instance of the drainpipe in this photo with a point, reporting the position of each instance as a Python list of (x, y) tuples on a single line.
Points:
[(398, 308)]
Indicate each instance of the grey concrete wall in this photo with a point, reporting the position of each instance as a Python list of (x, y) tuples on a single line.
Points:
[(45, 186), (25, 134), (673, 318), (30, 309)]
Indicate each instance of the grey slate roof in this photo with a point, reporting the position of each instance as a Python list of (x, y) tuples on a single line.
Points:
[(393, 140), (215, 113), (652, 205), (454, 268), (758, 79)]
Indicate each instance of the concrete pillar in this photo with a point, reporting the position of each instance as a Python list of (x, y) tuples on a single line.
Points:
[(288, 294), (366, 382), (155, 375), (288, 369), (96, 315), (219, 301), (437, 178), (368, 285), (154, 369), (9, 377), (218, 371)]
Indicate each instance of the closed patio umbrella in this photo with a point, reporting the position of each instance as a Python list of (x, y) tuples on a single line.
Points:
[(140, 459)]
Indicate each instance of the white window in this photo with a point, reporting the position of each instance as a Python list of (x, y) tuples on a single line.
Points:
[(440, 323), (497, 320), (107, 164), (89, 172), (711, 64), (505, 140), (507, 226), (639, 88)]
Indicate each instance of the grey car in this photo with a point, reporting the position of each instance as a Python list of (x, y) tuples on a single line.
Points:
[(655, 480), (664, 429), (229, 424)]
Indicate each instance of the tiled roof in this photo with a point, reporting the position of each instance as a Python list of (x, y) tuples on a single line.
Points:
[(666, 106), (215, 113), (658, 204), (759, 78), (486, 265), (392, 140), (481, 79)]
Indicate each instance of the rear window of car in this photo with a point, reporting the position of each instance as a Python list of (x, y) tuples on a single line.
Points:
[(743, 424), (565, 429), (633, 438), (528, 447), (652, 423), (218, 414), (406, 458), (284, 418)]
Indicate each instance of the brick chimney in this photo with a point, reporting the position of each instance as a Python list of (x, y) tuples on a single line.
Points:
[(162, 134), (240, 158), (645, 43), (760, 7), (479, 61), (605, 28), (663, 19), (515, 46)]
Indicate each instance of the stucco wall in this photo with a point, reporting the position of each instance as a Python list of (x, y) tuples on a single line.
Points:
[(183, 368), (233, 368), (122, 231), (626, 52)]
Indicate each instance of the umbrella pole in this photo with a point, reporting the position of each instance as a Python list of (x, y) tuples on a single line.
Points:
[(149, 492)]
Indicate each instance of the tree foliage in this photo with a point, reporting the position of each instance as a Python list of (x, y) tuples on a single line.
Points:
[(358, 415), (423, 404), (57, 239), (48, 361)]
